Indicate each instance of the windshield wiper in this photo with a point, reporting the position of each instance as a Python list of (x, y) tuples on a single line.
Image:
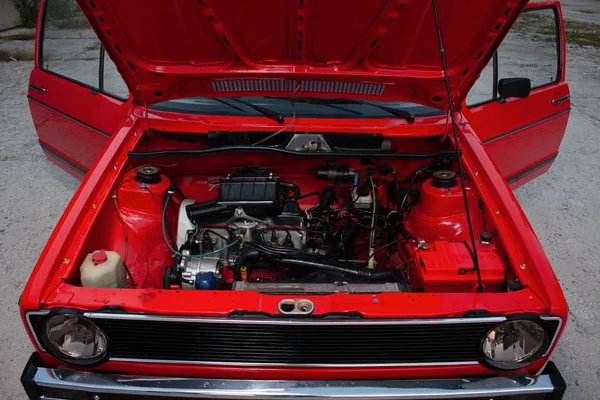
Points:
[(394, 111), (274, 115)]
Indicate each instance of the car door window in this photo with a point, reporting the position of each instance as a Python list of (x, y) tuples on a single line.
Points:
[(530, 50), (112, 82), (71, 49), (483, 89)]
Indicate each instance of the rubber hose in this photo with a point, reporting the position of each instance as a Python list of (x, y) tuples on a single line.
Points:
[(386, 275), (293, 188), (327, 198), (197, 211), (319, 265)]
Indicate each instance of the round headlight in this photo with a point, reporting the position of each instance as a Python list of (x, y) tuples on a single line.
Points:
[(514, 344), (74, 339)]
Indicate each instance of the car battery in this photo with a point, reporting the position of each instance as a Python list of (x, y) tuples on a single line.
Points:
[(448, 267)]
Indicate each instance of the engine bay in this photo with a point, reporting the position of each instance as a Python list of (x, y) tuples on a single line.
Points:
[(256, 236), (360, 226)]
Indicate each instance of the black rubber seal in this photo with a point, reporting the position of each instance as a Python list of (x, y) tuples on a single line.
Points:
[(148, 175), (444, 179), (273, 150)]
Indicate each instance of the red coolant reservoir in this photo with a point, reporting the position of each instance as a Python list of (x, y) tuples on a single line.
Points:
[(440, 213), (448, 267)]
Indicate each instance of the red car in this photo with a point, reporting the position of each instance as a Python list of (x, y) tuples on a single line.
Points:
[(296, 199)]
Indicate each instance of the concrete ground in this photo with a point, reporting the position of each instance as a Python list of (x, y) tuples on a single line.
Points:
[(563, 206), (581, 10)]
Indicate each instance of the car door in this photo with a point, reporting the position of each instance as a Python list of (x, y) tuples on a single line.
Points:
[(76, 97), (522, 135)]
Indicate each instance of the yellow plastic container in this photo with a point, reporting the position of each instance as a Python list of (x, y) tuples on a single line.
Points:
[(103, 269)]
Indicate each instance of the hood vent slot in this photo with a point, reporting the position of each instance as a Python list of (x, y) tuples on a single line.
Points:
[(306, 86)]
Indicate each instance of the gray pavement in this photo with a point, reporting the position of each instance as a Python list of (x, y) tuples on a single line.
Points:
[(33, 195), (581, 10), (563, 207)]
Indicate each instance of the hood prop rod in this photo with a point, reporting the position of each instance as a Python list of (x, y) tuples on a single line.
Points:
[(457, 147)]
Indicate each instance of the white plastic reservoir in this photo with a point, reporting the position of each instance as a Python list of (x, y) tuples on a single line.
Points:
[(103, 269)]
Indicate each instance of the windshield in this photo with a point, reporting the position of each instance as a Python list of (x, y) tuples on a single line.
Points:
[(305, 107)]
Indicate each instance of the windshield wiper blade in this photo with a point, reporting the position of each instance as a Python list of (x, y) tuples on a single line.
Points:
[(394, 111), (274, 115)]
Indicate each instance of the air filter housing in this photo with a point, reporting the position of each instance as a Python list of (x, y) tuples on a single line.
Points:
[(249, 187)]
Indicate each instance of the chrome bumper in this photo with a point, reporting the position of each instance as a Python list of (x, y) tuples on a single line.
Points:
[(48, 383)]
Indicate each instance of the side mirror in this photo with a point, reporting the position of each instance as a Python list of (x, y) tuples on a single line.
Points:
[(513, 87)]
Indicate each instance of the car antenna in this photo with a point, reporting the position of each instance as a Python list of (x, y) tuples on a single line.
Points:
[(457, 146)]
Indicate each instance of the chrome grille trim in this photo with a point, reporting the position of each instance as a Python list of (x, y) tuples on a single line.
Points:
[(266, 321), (247, 364)]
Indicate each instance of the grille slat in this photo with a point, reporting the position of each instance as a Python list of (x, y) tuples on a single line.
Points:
[(332, 343)]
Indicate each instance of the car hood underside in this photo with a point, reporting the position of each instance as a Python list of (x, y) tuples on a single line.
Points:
[(377, 49)]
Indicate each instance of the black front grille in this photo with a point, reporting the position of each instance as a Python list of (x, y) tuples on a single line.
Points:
[(333, 343)]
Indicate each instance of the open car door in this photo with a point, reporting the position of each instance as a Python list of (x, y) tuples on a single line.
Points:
[(522, 135), (76, 96)]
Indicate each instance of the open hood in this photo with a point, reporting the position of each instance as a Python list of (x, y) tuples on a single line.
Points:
[(371, 49)]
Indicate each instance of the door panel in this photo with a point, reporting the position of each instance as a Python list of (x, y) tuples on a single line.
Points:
[(522, 136), (522, 132), (73, 116), (67, 137), (71, 121)]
